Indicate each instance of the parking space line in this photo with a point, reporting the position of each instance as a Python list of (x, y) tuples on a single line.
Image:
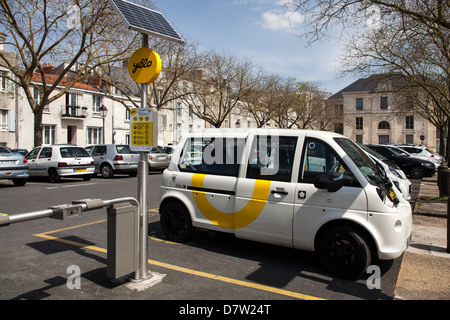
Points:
[(46, 235)]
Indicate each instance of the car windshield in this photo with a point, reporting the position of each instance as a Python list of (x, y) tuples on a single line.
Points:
[(369, 168), (372, 152), (398, 152), (73, 152)]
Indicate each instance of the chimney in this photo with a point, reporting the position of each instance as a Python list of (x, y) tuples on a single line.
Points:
[(48, 67), (2, 41)]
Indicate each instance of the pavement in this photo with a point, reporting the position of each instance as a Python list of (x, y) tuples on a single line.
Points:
[(425, 269)]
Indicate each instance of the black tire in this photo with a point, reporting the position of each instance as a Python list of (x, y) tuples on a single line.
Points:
[(106, 171), (87, 178), (176, 222), (417, 172), (344, 252), (19, 182), (53, 175)]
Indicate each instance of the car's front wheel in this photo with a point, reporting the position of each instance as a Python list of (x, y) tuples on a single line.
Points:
[(417, 172), (344, 252), (176, 222)]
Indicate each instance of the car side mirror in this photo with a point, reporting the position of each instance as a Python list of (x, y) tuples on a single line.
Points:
[(323, 181)]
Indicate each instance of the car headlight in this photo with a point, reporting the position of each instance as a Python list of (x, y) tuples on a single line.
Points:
[(395, 172), (428, 165)]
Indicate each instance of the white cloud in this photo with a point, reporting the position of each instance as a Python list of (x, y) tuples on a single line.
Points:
[(281, 21)]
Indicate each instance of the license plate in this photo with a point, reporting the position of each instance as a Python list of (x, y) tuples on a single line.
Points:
[(161, 157), (79, 170), (8, 162), (132, 165)]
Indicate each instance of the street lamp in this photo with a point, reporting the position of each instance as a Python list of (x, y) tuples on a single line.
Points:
[(103, 113)]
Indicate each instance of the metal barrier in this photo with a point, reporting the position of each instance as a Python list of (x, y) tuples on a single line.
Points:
[(124, 255)]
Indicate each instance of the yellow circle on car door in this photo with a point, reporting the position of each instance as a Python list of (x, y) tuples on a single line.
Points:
[(235, 220)]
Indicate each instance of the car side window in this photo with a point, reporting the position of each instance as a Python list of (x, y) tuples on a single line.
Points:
[(33, 154), (319, 158), (271, 158), (45, 153), (99, 151), (210, 155)]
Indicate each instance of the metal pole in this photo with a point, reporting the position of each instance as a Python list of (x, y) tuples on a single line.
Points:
[(142, 193)]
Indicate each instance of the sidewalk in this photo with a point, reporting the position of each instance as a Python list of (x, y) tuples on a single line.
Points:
[(425, 270)]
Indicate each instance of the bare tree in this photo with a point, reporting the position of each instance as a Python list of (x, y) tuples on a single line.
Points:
[(261, 100), (79, 35), (217, 86)]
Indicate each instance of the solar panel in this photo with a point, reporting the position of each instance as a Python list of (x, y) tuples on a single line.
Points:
[(145, 20)]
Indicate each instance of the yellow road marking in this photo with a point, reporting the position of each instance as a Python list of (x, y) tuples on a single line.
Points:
[(46, 235)]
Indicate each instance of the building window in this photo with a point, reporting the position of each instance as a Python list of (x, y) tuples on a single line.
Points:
[(339, 127), (359, 123), (384, 125), (96, 103), (383, 139), (49, 134), (3, 119), (359, 138), (359, 103), (94, 135), (383, 102), (409, 122), (4, 80), (36, 96), (409, 139)]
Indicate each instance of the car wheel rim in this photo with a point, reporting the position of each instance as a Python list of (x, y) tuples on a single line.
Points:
[(175, 223), (342, 251)]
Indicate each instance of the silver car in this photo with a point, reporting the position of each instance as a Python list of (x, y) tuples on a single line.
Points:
[(57, 161), (13, 167), (158, 159), (114, 158)]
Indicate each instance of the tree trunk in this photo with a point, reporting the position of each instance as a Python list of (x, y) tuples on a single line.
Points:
[(37, 128)]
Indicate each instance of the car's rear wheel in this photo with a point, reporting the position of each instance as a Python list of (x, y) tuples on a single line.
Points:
[(176, 222), (53, 175), (106, 171), (344, 252)]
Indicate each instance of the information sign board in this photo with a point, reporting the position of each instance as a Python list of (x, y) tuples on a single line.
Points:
[(143, 129)]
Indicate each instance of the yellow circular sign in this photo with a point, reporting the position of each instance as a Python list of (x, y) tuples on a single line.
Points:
[(144, 65)]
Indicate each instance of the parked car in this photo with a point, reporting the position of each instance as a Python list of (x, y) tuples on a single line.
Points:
[(416, 168), (158, 159), (394, 173), (21, 151), (169, 150), (13, 166), (114, 158), (57, 161), (345, 210), (424, 152)]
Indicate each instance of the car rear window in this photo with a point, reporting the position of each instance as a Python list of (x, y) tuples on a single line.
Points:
[(4, 150), (73, 152), (125, 149)]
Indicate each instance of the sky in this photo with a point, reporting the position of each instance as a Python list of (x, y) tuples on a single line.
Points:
[(261, 30)]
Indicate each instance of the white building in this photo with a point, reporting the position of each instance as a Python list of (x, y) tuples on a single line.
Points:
[(373, 114)]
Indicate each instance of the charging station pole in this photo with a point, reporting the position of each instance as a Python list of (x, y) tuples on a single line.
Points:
[(142, 191), (144, 67)]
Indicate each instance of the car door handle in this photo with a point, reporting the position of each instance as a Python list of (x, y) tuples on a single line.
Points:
[(279, 192)]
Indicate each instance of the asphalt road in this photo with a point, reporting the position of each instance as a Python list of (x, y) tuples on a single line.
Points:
[(38, 257)]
